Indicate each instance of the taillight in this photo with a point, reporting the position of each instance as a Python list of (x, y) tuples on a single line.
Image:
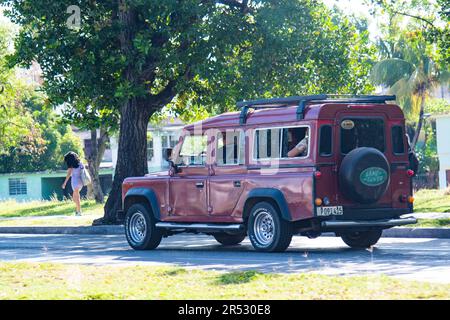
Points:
[(318, 202), (411, 199), (410, 172), (318, 174)]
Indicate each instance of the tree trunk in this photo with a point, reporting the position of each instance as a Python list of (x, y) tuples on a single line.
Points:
[(131, 156), (420, 122), (98, 147)]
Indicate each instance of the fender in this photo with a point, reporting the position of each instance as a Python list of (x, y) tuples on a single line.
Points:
[(147, 194), (274, 194)]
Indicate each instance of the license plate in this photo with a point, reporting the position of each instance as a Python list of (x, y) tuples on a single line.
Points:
[(330, 211)]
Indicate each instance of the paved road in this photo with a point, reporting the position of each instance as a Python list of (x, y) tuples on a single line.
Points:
[(417, 259)]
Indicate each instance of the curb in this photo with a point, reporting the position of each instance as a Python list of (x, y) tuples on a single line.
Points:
[(104, 230), (119, 229), (443, 233)]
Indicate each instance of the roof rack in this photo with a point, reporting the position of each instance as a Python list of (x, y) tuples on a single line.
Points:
[(301, 101)]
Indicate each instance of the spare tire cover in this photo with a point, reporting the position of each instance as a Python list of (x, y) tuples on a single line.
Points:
[(364, 175)]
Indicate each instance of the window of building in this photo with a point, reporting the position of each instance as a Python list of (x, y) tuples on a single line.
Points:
[(168, 141), (17, 186), (230, 147), (358, 132), (193, 151), (150, 151), (276, 143)]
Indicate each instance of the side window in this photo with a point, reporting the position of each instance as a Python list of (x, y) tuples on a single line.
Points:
[(325, 146), (281, 143), (398, 146), (295, 142), (267, 143), (230, 148), (193, 151)]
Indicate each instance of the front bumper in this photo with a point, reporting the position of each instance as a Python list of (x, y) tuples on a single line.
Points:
[(357, 224)]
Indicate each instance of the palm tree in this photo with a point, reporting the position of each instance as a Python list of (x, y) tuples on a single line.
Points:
[(410, 75)]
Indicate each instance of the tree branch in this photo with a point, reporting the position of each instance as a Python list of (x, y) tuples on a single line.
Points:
[(414, 16), (164, 97)]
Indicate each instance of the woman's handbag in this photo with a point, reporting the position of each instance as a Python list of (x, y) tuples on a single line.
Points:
[(85, 176)]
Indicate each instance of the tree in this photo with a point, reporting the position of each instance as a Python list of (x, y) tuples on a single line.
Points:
[(50, 141), (14, 120), (411, 66), (135, 57)]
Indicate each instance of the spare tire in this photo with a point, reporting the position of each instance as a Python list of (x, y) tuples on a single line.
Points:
[(364, 175)]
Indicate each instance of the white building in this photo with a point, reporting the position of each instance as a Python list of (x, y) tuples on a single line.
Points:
[(443, 148), (159, 138)]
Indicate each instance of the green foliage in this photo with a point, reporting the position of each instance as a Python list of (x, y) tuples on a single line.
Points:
[(411, 61), (427, 152), (45, 149), (15, 122), (437, 106), (206, 54)]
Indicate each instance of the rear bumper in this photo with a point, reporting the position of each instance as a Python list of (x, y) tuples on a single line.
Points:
[(388, 223), (372, 213)]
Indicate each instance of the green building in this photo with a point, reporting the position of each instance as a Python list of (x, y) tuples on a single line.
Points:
[(43, 185)]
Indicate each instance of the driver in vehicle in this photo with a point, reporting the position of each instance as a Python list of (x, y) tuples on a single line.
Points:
[(301, 149)]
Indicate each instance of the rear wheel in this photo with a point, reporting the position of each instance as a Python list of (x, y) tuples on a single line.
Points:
[(140, 228), (362, 239), (266, 230), (228, 239)]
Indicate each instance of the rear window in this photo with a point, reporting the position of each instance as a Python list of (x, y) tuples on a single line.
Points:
[(398, 146), (356, 133)]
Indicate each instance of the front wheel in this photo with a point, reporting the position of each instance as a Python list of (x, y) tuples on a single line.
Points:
[(362, 239), (140, 228), (266, 230)]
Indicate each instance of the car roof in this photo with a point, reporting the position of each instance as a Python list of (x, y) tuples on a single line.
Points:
[(288, 114)]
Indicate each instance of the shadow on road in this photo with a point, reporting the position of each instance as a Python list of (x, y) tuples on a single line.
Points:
[(413, 258)]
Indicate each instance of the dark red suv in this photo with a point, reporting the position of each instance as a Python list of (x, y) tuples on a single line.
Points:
[(280, 167)]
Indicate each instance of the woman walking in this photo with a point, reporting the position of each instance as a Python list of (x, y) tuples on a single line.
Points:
[(74, 168)]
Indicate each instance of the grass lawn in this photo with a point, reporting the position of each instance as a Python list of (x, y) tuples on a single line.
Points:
[(431, 200), (39, 213), (57, 281), (431, 223)]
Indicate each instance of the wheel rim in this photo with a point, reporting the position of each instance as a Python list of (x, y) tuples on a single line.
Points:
[(137, 227), (264, 227)]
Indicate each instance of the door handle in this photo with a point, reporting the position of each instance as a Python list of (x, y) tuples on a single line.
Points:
[(199, 184), (237, 184)]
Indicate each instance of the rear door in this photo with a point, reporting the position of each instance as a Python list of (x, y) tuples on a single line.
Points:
[(355, 131)]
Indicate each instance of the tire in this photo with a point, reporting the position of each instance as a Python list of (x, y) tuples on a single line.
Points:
[(364, 175), (361, 239), (140, 228), (277, 234), (228, 239)]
